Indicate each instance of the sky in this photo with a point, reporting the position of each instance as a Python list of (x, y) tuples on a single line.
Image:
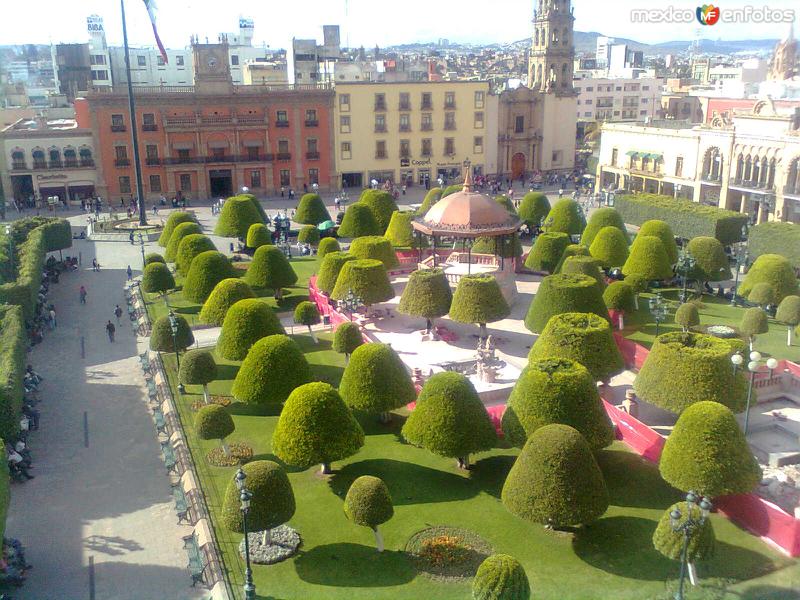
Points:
[(363, 22)]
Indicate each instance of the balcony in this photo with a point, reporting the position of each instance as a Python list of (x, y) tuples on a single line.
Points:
[(381, 154), (404, 106), (758, 186), (449, 126), (180, 121), (284, 156), (449, 105), (19, 165), (118, 128), (152, 161), (790, 190), (215, 120), (426, 153), (426, 106), (255, 158), (380, 106), (405, 154), (251, 120), (220, 158), (87, 162), (122, 162), (380, 128), (39, 164), (312, 155), (56, 164), (70, 163), (405, 128), (149, 127), (281, 123), (312, 123), (426, 127)]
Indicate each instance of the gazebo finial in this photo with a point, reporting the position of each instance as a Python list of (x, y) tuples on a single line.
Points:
[(468, 178)]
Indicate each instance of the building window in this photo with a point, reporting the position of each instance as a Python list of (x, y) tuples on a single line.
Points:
[(405, 101), (587, 101), (405, 149), (160, 61), (427, 147), (614, 157), (151, 151), (479, 120), (313, 176), (117, 123), (70, 158), (283, 146), (141, 60), (125, 184), (179, 61), (380, 123), (218, 154), (282, 117), (427, 101), (450, 121), (589, 88), (449, 100), (252, 152), (405, 122), (380, 101), (479, 99), (347, 152), (645, 88), (155, 183), (427, 122), (286, 177), (235, 63), (449, 146), (148, 121), (344, 102), (100, 75), (556, 156), (477, 144), (186, 182), (679, 167), (587, 113), (121, 153), (311, 117), (519, 124), (97, 59), (344, 124), (644, 100), (643, 112), (380, 149), (255, 179), (183, 155)]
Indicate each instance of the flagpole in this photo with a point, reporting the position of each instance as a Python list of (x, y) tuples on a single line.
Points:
[(137, 165)]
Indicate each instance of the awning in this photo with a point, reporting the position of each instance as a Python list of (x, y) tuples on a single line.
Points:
[(252, 143), (223, 144), (631, 153), (183, 145)]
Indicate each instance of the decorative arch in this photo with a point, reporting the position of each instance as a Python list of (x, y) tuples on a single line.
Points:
[(713, 162), (739, 168), (793, 177)]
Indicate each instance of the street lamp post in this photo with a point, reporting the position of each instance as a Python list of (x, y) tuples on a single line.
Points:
[(741, 259), (141, 247), (659, 310), (10, 242), (753, 367), (351, 302), (686, 262), (244, 498), (173, 325), (687, 528)]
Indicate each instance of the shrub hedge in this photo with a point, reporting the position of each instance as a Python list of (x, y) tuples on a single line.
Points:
[(311, 210), (206, 271), (501, 577), (662, 231), (610, 247), (272, 502), (431, 198), (533, 208), (224, 295), (308, 235), (368, 502), (157, 279), (564, 293), (762, 294), (347, 338), (427, 295), (326, 246), (585, 265), (648, 259), (687, 315), (506, 203), (161, 336), (29, 252), (258, 234), (367, 279), (198, 367), (375, 247), (329, 270), (775, 270), (565, 216), (400, 234), (620, 295), (13, 358), (306, 313), (382, 205), (570, 251), (478, 299), (153, 257), (789, 311), (237, 215), (213, 422), (181, 231), (510, 247), (547, 252), (246, 322), (452, 189), (670, 542), (270, 269), (188, 248), (375, 380), (712, 263), (272, 369), (173, 220), (776, 237), (754, 322), (599, 219), (359, 220)]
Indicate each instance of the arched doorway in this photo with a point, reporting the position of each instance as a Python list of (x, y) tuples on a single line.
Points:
[(517, 165)]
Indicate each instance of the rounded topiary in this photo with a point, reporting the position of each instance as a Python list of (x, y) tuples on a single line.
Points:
[(478, 299), (367, 279), (533, 208), (762, 294), (308, 235), (547, 251), (374, 246), (507, 247), (687, 316), (599, 219), (585, 265), (707, 452), (260, 209), (236, 217), (306, 313), (789, 314), (566, 216), (359, 220), (684, 368), (329, 270), (246, 322), (662, 231), (311, 211), (564, 293), (712, 263), (161, 336), (376, 381), (610, 247), (382, 205), (213, 422), (754, 322), (258, 234), (157, 279), (316, 427), (272, 369), (427, 295), (206, 271), (153, 257), (556, 390), (188, 248), (501, 577), (556, 480), (347, 338), (369, 504), (431, 198), (271, 504), (569, 252), (326, 246), (775, 270), (400, 234), (224, 295), (506, 203), (648, 259), (173, 220), (452, 189), (670, 542), (198, 367), (620, 296), (181, 231), (270, 269), (450, 419), (584, 338)]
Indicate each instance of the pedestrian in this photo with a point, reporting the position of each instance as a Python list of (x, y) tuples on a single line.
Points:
[(291, 194), (560, 192), (52, 317), (110, 330), (82, 294), (118, 314), (130, 236), (130, 273), (95, 265), (283, 191)]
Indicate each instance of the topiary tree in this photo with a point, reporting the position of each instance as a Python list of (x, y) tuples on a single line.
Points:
[(533, 208), (501, 577), (212, 422), (369, 504), (374, 246), (452, 189), (564, 293), (346, 339), (153, 257), (506, 203), (161, 335), (316, 427), (306, 313), (270, 269), (246, 322), (601, 218), (188, 248), (585, 265), (566, 216), (507, 247), (556, 480), (610, 247), (687, 316), (662, 231), (639, 285), (311, 211), (382, 205), (271, 504), (478, 299), (556, 390), (620, 297), (156, 279), (789, 314), (762, 294), (260, 209), (711, 261), (224, 295), (237, 215), (400, 234), (173, 220), (684, 368), (258, 234), (329, 270), (569, 252), (326, 246), (198, 367), (670, 542), (708, 453), (272, 369), (181, 231), (431, 198), (775, 270), (359, 220), (754, 322), (648, 259), (206, 271), (547, 251), (584, 338), (427, 295), (376, 381), (308, 235), (450, 420), (367, 279)]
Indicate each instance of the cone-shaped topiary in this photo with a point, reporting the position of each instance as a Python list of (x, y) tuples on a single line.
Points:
[(374, 246), (685, 368), (311, 211), (564, 293), (347, 338), (316, 427), (272, 369), (610, 247), (648, 259), (382, 205), (431, 198), (662, 231), (501, 577), (556, 390), (198, 367), (161, 336), (670, 542), (213, 422), (270, 269), (224, 295), (326, 246), (308, 235), (619, 295), (585, 265), (260, 209), (271, 504), (367, 279), (762, 294), (506, 203), (507, 247), (452, 189), (711, 261), (181, 231), (258, 234), (153, 257), (754, 322), (584, 338), (400, 233), (556, 480), (237, 215), (565, 216), (189, 247), (687, 315), (369, 504), (450, 419), (376, 381), (329, 270), (707, 452), (599, 219), (478, 299), (775, 270), (359, 220), (246, 322), (534, 208), (547, 251), (427, 295), (789, 314), (206, 271), (569, 252), (173, 220), (157, 279), (306, 313)]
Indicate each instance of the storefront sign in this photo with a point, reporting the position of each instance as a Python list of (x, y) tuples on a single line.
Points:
[(51, 177), (404, 162), (450, 164), (419, 163)]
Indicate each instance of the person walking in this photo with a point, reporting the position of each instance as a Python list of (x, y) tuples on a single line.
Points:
[(129, 271), (82, 293), (52, 315), (110, 330), (118, 314)]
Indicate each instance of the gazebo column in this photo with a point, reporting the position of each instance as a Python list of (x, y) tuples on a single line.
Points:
[(434, 251), (502, 254), (468, 243), (418, 237)]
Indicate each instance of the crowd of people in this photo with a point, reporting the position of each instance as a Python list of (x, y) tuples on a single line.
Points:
[(18, 454), (13, 564)]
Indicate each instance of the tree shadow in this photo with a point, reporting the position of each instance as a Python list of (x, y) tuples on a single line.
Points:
[(226, 371), (331, 374), (489, 474), (111, 545), (192, 309), (254, 410), (353, 565), (633, 481), (767, 592), (286, 467)]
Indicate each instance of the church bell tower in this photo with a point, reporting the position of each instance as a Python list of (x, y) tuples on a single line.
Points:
[(550, 67)]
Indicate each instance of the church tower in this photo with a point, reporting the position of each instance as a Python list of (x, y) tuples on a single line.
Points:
[(550, 66), (784, 58)]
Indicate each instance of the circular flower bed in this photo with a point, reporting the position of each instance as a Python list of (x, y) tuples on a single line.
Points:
[(721, 331), (447, 553), (221, 400), (283, 543), (239, 454)]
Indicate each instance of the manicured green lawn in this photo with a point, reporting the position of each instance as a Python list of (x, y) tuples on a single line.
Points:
[(612, 558)]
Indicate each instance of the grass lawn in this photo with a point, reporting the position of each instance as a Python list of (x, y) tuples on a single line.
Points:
[(612, 558)]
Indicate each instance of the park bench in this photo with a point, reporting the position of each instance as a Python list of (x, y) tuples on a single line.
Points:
[(170, 461), (196, 564), (152, 390), (181, 504), (161, 423)]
